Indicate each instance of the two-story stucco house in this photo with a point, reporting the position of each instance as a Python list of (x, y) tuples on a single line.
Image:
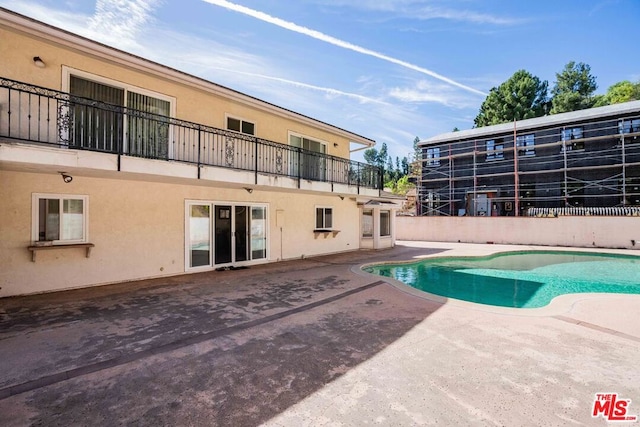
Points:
[(115, 168)]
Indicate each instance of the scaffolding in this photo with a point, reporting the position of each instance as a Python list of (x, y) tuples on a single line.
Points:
[(594, 163)]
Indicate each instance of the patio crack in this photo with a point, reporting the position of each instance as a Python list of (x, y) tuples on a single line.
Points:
[(196, 339)]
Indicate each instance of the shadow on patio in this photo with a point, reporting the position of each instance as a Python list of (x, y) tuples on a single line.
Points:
[(230, 348)]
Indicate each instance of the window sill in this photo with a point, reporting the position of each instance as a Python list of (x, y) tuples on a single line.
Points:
[(35, 248), (319, 232)]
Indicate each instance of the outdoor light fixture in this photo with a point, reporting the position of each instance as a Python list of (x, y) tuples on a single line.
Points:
[(39, 62), (66, 178), (341, 197), (249, 190)]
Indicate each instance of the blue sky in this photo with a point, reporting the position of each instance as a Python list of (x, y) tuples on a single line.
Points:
[(390, 70)]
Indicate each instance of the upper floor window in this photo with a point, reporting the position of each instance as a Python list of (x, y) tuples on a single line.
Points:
[(240, 125), (495, 150), (433, 156), (629, 126), (101, 125), (526, 145), (310, 162), (59, 218), (569, 135)]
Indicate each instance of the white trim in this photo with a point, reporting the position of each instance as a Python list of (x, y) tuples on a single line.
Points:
[(390, 212), (228, 116), (291, 133), (315, 217), (67, 72), (187, 237), (86, 46), (35, 208), (213, 203)]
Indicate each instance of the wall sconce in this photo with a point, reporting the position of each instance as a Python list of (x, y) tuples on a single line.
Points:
[(249, 190), (335, 145), (38, 62), (341, 197), (66, 178)]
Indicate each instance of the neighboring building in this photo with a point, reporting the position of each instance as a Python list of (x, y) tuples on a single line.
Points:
[(588, 161), (115, 168)]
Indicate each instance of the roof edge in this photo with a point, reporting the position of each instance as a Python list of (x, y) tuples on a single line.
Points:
[(66, 38), (523, 125)]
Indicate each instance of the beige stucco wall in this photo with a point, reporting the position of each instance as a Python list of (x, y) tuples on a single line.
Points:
[(576, 231), (138, 228), (192, 104)]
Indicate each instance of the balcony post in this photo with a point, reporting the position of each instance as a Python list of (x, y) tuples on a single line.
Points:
[(199, 148), (120, 142), (299, 165), (255, 161)]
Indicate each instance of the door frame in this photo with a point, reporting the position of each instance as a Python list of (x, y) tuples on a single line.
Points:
[(213, 203)]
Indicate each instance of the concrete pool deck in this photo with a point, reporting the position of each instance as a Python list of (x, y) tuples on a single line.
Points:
[(310, 342)]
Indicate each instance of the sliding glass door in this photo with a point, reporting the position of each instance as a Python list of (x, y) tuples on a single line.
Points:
[(122, 118), (199, 235), (225, 234)]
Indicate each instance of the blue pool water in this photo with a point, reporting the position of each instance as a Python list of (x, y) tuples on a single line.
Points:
[(521, 279)]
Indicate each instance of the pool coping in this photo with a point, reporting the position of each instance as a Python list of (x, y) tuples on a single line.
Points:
[(559, 305)]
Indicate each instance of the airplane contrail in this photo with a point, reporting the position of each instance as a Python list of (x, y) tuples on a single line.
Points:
[(336, 42)]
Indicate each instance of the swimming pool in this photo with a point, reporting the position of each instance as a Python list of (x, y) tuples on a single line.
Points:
[(518, 279)]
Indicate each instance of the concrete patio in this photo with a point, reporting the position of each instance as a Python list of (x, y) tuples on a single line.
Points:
[(311, 342)]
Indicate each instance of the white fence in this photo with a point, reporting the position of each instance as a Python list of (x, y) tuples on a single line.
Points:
[(575, 231)]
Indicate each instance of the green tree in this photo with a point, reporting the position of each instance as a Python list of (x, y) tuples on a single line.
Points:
[(383, 154), (573, 89), (416, 150), (522, 96), (403, 186), (371, 156), (405, 166), (623, 91)]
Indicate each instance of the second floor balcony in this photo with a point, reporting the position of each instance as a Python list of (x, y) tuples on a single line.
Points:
[(46, 117)]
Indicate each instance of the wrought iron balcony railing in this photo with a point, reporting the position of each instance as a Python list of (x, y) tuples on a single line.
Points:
[(39, 115)]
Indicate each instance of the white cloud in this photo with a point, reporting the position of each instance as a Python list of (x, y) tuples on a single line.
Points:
[(121, 20), (326, 90), (425, 10), (337, 42), (462, 15), (424, 91)]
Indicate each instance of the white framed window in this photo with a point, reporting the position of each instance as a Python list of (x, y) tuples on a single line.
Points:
[(569, 137), (495, 150), (433, 156), (239, 125), (311, 163), (367, 223), (108, 129), (324, 218), (59, 218), (385, 223), (526, 145)]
